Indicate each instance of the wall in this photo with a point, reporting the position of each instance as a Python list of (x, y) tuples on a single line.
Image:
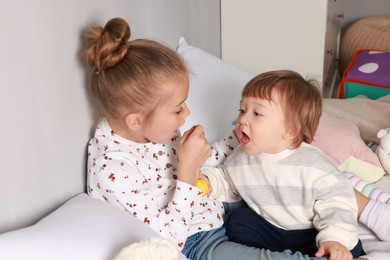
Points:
[(262, 35), (46, 118)]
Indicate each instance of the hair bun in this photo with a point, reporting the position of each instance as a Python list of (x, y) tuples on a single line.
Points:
[(107, 46)]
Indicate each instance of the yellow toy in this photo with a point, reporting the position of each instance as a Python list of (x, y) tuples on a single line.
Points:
[(201, 184)]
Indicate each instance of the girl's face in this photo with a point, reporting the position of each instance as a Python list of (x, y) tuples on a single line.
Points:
[(261, 126), (170, 114)]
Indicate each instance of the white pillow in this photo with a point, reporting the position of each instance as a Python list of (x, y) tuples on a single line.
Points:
[(82, 228), (215, 91)]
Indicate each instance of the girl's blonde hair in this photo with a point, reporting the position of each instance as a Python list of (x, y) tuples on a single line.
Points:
[(126, 75), (300, 99)]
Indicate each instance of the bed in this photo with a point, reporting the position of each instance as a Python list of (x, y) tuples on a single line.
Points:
[(84, 228)]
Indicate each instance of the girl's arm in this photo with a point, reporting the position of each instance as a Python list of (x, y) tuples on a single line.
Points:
[(221, 149), (120, 182)]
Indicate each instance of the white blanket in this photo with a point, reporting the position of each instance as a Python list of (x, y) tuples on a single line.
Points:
[(369, 115)]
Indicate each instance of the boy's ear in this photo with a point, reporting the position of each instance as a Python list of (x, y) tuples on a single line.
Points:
[(134, 121), (290, 133)]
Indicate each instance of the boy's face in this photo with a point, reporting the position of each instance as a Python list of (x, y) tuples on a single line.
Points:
[(261, 126)]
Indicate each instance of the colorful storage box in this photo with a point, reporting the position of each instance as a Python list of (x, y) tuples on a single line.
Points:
[(368, 74)]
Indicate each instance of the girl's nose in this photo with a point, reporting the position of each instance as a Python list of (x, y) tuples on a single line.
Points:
[(186, 111)]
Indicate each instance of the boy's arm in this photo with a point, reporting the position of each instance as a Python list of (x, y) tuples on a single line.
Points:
[(220, 186), (336, 211)]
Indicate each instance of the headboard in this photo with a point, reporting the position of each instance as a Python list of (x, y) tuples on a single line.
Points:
[(46, 117)]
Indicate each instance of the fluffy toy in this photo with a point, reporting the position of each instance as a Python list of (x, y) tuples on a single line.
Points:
[(383, 150), (154, 248)]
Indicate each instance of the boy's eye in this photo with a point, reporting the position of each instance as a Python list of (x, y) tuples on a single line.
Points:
[(257, 114), (241, 111)]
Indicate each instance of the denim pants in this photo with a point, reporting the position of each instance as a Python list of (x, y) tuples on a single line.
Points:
[(249, 228), (214, 245)]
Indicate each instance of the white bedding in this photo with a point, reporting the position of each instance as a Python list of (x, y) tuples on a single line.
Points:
[(84, 228)]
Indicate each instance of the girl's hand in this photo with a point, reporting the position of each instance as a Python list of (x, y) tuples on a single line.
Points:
[(335, 251), (194, 150)]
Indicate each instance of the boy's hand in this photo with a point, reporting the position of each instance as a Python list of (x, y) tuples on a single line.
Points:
[(335, 251)]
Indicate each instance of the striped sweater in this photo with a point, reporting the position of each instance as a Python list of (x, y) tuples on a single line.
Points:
[(294, 189)]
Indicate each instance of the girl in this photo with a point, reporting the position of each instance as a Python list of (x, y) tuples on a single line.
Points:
[(133, 159)]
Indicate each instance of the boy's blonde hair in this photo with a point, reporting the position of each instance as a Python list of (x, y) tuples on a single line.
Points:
[(300, 100), (126, 75)]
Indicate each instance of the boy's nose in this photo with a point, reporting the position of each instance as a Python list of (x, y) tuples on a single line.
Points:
[(242, 120)]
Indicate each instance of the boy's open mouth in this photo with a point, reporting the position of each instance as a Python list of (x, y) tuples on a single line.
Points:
[(244, 138)]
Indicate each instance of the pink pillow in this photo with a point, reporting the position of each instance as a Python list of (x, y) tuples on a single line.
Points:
[(339, 139)]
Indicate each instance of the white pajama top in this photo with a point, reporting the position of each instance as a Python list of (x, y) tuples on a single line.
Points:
[(141, 179)]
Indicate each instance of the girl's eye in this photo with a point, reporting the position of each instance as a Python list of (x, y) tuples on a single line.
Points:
[(257, 114), (241, 111), (179, 112)]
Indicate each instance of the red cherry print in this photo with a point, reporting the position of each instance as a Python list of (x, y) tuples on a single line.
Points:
[(112, 177)]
